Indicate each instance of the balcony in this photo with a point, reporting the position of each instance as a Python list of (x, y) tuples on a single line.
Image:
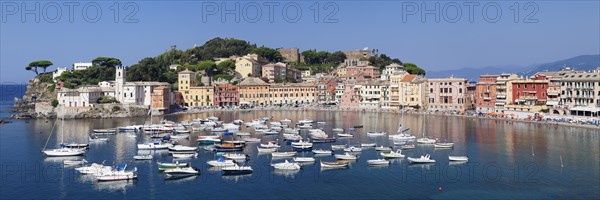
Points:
[(501, 87), (553, 93), (501, 96), (487, 98)]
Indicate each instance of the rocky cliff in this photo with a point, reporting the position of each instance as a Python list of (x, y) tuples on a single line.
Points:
[(37, 92)]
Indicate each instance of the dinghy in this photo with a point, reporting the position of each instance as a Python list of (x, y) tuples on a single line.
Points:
[(445, 145), (304, 159), (182, 148), (184, 155), (368, 145), (353, 149), (382, 148), (458, 158), (321, 151), (162, 166), (266, 150), (397, 154), (334, 165), (423, 159), (153, 145), (182, 171), (283, 154), (378, 162), (426, 141), (345, 156)]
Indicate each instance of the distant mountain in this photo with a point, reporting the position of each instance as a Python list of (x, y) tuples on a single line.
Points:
[(583, 63), (579, 63)]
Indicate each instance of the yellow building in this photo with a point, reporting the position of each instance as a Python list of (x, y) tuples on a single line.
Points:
[(245, 67), (253, 91), (292, 93), (395, 89), (194, 95), (412, 90)]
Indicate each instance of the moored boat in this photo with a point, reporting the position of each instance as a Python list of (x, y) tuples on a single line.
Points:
[(283, 154), (221, 162), (345, 156), (334, 165), (445, 145), (382, 148), (458, 158), (338, 147), (368, 144), (321, 151), (353, 149), (286, 166), (143, 157), (423, 159), (304, 159), (378, 162), (182, 148), (236, 169), (74, 162), (392, 154)]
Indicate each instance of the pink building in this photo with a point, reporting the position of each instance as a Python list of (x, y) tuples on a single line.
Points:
[(351, 97)]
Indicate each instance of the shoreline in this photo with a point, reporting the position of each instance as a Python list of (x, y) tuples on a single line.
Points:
[(556, 124)]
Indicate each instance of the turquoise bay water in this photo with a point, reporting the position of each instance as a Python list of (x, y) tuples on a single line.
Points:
[(518, 160)]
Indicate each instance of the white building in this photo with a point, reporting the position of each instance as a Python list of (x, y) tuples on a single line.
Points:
[(373, 93), (81, 66), (137, 93), (58, 72), (85, 96), (106, 84), (390, 70)]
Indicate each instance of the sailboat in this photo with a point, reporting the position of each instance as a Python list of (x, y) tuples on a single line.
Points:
[(63, 150), (401, 135), (424, 140)]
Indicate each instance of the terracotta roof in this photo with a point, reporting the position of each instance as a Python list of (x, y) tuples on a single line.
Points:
[(408, 77), (186, 71)]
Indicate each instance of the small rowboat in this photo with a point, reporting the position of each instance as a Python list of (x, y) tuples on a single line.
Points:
[(74, 162), (378, 162), (334, 165), (184, 155), (304, 159), (443, 145), (458, 158), (283, 154)]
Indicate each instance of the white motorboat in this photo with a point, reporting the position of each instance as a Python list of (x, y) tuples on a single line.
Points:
[(322, 123), (334, 165), (345, 156), (382, 148), (458, 158), (235, 156), (118, 174), (353, 149), (286, 121), (292, 130), (220, 162), (182, 148), (143, 157), (238, 122), (445, 145), (270, 145), (266, 150), (368, 144), (286, 166), (342, 134), (182, 171), (105, 131), (74, 162), (219, 130), (378, 162), (236, 169), (402, 136), (212, 118), (94, 168), (392, 154), (304, 159), (184, 155), (338, 147), (302, 145), (182, 131), (426, 141), (321, 151), (376, 134), (338, 130), (153, 145), (283, 154), (276, 128), (423, 159)]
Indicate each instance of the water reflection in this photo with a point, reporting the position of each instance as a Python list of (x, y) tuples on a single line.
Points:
[(113, 186)]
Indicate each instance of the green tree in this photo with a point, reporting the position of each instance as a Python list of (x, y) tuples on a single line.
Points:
[(336, 57), (226, 67), (206, 65), (33, 66), (54, 103), (268, 53), (106, 62), (413, 69)]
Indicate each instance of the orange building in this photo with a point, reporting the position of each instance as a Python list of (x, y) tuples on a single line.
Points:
[(161, 98), (485, 91)]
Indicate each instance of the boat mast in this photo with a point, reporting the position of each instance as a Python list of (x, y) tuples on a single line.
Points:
[(51, 131), (62, 126)]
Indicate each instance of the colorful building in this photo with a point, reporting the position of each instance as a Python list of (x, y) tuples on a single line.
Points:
[(292, 93), (254, 91), (485, 91), (351, 97), (447, 94), (580, 92), (161, 98), (528, 95), (191, 94), (412, 91), (226, 95), (503, 90)]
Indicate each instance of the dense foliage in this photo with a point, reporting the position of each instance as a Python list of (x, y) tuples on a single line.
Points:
[(90, 76), (268, 53), (107, 99), (413, 69)]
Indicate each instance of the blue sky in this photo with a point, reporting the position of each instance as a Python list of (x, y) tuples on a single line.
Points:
[(563, 29)]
